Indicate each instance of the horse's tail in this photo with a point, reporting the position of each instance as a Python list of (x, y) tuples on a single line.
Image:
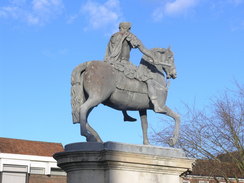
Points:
[(77, 92)]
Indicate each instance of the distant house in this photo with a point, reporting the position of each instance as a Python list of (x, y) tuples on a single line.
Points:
[(23, 161), (210, 171)]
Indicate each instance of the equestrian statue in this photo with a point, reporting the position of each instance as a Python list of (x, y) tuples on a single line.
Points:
[(117, 83)]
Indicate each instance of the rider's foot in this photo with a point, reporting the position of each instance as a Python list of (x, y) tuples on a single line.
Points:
[(129, 119)]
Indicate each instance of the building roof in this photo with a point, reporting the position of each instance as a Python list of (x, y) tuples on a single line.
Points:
[(27, 147)]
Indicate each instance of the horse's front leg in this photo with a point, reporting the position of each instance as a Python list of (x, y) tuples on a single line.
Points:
[(176, 117), (144, 125)]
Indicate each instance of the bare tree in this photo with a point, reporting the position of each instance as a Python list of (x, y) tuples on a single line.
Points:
[(215, 133)]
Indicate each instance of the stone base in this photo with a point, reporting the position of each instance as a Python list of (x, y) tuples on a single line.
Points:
[(112, 162)]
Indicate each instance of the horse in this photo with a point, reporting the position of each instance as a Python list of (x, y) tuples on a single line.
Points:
[(96, 82)]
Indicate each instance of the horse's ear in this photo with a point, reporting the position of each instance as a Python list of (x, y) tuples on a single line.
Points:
[(169, 47)]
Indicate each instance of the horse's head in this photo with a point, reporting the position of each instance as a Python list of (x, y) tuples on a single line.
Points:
[(165, 58)]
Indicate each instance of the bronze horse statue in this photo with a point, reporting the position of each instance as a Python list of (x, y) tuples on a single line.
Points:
[(96, 82)]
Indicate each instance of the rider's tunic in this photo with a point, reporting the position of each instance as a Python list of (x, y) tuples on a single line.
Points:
[(118, 52), (120, 45)]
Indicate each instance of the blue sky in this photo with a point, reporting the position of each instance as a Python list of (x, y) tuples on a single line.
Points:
[(41, 41)]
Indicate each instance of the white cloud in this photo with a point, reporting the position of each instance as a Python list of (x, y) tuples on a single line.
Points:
[(38, 12), (237, 26), (100, 15), (179, 6), (18, 2), (45, 10), (9, 12), (237, 2), (176, 7), (158, 13), (33, 20), (46, 5)]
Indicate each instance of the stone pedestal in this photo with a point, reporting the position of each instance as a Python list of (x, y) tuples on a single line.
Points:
[(112, 162)]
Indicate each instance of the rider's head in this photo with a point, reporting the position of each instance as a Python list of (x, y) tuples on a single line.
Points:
[(124, 26)]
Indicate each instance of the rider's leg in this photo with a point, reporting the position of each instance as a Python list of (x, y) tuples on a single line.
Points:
[(127, 117), (157, 94)]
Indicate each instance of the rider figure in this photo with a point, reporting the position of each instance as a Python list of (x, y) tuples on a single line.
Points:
[(118, 50), (120, 45)]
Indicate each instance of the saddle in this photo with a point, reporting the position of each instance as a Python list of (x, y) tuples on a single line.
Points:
[(132, 78), (127, 78)]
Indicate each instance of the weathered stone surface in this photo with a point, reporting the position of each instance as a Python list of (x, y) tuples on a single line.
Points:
[(122, 147), (112, 162), (97, 82)]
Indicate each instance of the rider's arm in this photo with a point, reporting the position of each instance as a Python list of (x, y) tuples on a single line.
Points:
[(147, 53), (136, 43)]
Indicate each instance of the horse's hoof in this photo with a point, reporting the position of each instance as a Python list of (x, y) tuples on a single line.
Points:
[(146, 143), (172, 142), (91, 139)]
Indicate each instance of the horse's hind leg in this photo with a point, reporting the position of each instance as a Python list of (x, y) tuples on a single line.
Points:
[(176, 117), (91, 130), (87, 131)]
